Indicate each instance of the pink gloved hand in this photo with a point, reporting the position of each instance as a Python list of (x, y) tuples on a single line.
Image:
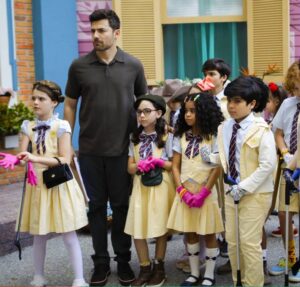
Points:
[(9, 160), (205, 85), (144, 165), (185, 195), (200, 197), (31, 174), (155, 162)]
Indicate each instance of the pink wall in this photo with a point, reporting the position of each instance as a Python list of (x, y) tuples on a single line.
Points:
[(84, 9), (295, 30)]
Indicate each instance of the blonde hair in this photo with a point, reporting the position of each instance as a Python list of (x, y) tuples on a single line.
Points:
[(292, 77)]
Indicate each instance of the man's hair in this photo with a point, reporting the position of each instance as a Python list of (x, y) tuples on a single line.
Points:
[(110, 15), (218, 65)]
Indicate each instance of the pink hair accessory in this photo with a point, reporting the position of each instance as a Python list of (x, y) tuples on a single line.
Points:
[(273, 87), (31, 174), (205, 85), (8, 160)]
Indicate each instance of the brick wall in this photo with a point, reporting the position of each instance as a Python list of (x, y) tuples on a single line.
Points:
[(26, 75)]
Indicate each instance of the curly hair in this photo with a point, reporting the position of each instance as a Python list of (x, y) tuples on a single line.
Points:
[(292, 76), (249, 88), (160, 128), (208, 115)]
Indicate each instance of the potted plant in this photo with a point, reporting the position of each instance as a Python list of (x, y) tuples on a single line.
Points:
[(11, 119)]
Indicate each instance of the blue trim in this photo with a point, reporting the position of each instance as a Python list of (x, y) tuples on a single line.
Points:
[(12, 60)]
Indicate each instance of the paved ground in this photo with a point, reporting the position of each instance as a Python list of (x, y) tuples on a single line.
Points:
[(58, 271)]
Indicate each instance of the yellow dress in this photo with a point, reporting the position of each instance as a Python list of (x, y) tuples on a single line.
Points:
[(59, 209), (149, 206), (204, 220)]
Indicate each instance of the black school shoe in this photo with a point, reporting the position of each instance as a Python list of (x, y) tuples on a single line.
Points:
[(125, 273), (100, 275)]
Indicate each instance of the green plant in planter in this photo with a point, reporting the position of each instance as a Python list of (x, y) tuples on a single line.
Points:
[(11, 118)]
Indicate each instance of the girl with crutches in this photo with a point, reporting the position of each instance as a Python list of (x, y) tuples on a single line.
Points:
[(248, 155)]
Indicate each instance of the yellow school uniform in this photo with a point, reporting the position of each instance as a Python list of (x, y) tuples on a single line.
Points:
[(59, 209), (149, 206), (256, 177), (204, 220)]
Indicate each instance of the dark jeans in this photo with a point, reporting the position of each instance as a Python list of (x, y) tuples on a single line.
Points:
[(106, 178)]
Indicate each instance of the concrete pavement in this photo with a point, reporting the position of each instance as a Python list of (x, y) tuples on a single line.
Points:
[(57, 267)]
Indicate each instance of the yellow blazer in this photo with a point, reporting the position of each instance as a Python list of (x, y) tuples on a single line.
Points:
[(257, 158)]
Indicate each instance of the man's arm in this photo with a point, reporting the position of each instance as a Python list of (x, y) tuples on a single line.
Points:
[(70, 111)]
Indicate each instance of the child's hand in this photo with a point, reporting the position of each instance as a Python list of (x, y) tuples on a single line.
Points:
[(199, 198), (289, 181), (185, 195), (31, 174), (27, 156), (236, 192), (287, 158), (155, 162), (8, 160)]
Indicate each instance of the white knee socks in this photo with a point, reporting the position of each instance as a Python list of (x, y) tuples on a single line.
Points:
[(193, 250), (72, 245), (211, 256)]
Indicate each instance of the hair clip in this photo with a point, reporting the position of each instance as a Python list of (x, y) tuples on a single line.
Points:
[(273, 87), (195, 99)]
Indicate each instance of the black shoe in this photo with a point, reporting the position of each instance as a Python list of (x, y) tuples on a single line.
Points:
[(125, 273), (188, 283), (223, 248), (100, 275)]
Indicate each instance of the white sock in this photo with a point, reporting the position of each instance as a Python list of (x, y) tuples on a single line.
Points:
[(72, 245), (39, 253), (211, 256), (264, 254), (193, 250)]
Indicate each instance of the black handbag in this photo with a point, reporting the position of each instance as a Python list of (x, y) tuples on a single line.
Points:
[(153, 177), (56, 175)]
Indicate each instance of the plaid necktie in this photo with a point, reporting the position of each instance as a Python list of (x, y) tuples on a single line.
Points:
[(146, 148), (40, 142), (293, 138), (232, 150), (193, 144)]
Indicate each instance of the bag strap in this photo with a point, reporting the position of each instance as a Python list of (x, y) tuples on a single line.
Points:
[(59, 162)]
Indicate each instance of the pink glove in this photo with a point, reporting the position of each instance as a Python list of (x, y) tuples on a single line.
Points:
[(153, 162), (9, 160), (199, 197), (144, 166), (31, 175), (185, 195), (205, 84)]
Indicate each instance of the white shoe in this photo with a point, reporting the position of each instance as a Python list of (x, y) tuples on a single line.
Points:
[(80, 283), (39, 281)]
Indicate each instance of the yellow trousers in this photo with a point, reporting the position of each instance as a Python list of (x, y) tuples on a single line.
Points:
[(252, 213)]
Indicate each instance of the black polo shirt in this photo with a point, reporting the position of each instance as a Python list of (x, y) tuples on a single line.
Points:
[(107, 93)]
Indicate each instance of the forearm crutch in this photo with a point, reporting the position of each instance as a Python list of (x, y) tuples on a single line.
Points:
[(296, 266), (287, 204), (237, 239), (17, 236)]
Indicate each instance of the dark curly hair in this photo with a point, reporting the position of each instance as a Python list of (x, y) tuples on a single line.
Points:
[(208, 115), (249, 88), (110, 15), (160, 128)]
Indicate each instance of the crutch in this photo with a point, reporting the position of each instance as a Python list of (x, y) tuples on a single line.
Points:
[(230, 181), (287, 204), (17, 242)]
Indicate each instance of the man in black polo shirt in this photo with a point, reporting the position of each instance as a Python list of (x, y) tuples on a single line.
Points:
[(106, 79)]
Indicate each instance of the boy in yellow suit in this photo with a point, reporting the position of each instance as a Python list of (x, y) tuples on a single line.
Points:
[(248, 155)]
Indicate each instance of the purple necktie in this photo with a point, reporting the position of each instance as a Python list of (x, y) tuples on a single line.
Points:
[(194, 141), (293, 138), (232, 149), (41, 137), (146, 148)]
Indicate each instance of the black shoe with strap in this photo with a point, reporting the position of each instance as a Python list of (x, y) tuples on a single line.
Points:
[(125, 273), (100, 275), (190, 283)]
